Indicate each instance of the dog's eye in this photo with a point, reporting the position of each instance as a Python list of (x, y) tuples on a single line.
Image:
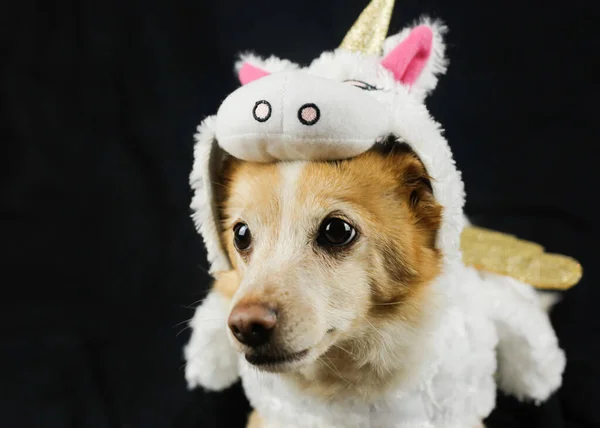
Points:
[(335, 232), (242, 238)]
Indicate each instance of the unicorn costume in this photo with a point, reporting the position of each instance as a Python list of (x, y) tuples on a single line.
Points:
[(489, 330)]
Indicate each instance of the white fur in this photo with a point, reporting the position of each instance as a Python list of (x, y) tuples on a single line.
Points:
[(290, 174), (486, 325)]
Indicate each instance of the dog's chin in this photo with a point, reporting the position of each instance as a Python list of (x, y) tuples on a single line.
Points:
[(284, 361), (279, 362)]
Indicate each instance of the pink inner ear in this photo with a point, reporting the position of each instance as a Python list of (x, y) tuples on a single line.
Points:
[(407, 60), (249, 73)]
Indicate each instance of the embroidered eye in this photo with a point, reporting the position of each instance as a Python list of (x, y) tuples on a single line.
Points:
[(362, 85)]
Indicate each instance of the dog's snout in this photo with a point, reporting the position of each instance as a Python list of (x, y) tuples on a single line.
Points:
[(252, 324)]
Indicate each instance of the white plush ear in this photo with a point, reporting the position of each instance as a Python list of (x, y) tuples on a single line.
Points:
[(251, 67), (416, 56), (208, 158)]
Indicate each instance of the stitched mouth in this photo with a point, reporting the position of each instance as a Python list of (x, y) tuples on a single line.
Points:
[(263, 360)]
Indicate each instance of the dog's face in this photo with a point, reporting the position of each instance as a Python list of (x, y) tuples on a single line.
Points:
[(326, 251)]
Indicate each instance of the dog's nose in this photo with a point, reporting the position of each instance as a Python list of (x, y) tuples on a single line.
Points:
[(252, 324)]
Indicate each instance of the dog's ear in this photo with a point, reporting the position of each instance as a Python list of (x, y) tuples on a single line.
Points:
[(414, 185), (417, 182)]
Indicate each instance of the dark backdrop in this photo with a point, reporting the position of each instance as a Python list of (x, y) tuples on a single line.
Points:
[(100, 262)]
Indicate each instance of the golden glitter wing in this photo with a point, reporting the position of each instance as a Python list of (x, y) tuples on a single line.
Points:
[(525, 261)]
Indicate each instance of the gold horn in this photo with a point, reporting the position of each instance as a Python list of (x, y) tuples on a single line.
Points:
[(370, 29)]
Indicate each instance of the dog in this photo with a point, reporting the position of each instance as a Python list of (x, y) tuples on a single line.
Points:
[(332, 211), (332, 267)]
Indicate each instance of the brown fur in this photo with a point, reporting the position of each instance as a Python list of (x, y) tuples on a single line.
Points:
[(227, 283), (397, 217), (255, 421)]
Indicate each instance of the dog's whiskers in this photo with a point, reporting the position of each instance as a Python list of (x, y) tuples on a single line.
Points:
[(376, 330), (388, 303), (194, 305), (182, 330), (199, 320), (345, 350), (182, 322), (333, 369), (215, 183)]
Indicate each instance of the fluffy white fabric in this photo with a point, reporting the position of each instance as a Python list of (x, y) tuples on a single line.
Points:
[(437, 63), (489, 328), (349, 119), (271, 64), (530, 363), (207, 160), (211, 360)]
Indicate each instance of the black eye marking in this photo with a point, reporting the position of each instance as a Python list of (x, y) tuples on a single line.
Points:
[(262, 111), (242, 239), (309, 114), (362, 85)]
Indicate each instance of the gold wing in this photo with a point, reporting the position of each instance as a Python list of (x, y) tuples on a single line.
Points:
[(525, 261)]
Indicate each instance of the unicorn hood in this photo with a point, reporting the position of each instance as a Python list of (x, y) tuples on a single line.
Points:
[(338, 107)]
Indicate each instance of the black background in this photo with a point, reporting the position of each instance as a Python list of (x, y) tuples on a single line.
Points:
[(100, 262)]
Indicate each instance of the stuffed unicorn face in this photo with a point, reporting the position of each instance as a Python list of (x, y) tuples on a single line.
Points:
[(336, 108)]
